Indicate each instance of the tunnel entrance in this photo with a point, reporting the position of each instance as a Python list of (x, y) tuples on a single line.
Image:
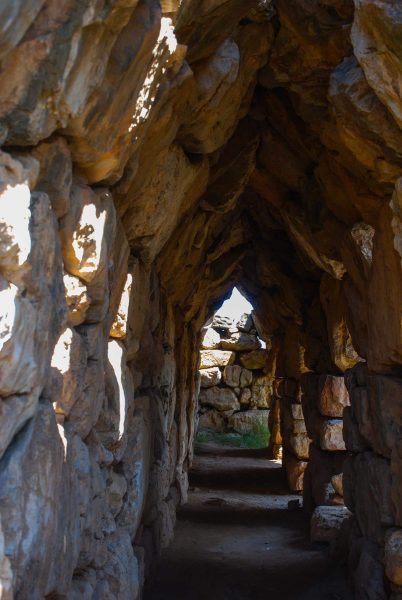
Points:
[(235, 380), (246, 531)]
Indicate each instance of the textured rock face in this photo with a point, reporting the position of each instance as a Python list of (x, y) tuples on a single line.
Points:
[(326, 523), (152, 156)]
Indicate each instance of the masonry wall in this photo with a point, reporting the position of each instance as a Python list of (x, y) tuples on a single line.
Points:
[(235, 387)]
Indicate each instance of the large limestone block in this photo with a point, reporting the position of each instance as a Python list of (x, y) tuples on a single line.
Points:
[(364, 126), (136, 465), (246, 421), (223, 83), (241, 342), (367, 492), (220, 398), (154, 206), (326, 522), (393, 556), (231, 375), (256, 359), (376, 410), (222, 323), (384, 294), (216, 358), (331, 435), (333, 395), (375, 34), (210, 377), (261, 392), (211, 339), (32, 295), (38, 474)]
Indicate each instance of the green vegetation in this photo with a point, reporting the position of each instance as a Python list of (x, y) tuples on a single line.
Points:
[(257, 438)]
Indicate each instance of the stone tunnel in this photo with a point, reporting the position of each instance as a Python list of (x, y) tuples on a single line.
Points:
[(154, 155)]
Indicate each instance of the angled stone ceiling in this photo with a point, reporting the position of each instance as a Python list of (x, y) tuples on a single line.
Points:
[(154, 155)]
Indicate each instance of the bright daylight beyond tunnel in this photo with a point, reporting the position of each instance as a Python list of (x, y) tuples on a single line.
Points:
[(156, 156)]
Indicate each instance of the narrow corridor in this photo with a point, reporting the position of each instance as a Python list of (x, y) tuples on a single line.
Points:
[(236, 539)]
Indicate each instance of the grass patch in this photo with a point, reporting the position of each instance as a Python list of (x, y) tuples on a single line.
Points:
[(257, 438)]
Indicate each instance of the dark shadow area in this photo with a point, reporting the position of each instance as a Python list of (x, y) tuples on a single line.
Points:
[(239, 539)]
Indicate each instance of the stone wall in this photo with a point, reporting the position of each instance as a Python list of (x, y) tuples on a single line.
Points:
[(236, 391)]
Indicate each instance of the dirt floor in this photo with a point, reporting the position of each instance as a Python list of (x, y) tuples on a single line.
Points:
[(236, 539)]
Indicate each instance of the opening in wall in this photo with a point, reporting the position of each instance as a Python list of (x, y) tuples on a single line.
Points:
[(236, 386)]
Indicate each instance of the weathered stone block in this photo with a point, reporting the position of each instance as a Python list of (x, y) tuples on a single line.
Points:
[(298, 444), (256, 359), (231, 375), (219, 398), (326, 522), (354, 441), (261, 392), (331, 436), (333, 395), (210, 377), (241, 342), (216, 358), (246, 421), (245, 396), (367, 493), (211, 339)]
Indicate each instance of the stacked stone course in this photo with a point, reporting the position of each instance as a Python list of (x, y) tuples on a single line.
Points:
[(236, 392)]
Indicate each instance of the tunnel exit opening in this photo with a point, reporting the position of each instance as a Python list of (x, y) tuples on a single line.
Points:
[(236, 381)]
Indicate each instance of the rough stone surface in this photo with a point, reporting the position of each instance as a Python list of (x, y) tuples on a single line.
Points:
[(154, 155), (216, 358), (256, 359), (247, 420), (220, 398), (326, 522), (210, 377)]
